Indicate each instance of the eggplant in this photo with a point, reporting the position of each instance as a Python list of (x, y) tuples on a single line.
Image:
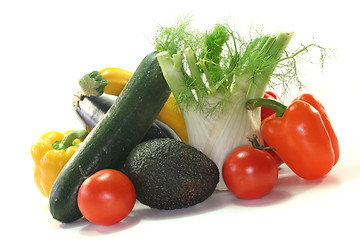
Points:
[(91, 109)]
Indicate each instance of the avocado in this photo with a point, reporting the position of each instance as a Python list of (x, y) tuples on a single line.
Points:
[(170, 174)]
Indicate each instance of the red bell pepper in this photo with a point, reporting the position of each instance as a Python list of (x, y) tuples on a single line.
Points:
[(300, 135), (313, 101), (267, 112)]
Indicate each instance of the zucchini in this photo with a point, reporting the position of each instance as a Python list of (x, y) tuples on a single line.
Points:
[(91, 109), (111, 140)]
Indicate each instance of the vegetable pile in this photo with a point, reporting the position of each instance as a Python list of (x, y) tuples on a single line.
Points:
[(196, 116)]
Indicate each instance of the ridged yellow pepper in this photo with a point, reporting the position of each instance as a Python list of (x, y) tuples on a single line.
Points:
[(50, 153), (112, 80), (116, 79)]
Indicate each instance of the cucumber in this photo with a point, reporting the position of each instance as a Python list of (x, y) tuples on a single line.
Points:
[(91, 109), (112, 139)]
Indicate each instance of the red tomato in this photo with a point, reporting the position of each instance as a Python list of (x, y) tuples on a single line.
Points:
[(250, 173), (106, 197)]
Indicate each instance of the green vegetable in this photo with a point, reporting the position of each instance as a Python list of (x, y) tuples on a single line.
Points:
[(90, 111), (93, 84), (213, 74), (170, 174), (109, 143)]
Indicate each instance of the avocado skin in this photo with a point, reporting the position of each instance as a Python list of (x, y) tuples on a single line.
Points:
[(170, 174)]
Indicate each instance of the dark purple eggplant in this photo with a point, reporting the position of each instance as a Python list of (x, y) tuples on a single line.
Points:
[(90, 111)]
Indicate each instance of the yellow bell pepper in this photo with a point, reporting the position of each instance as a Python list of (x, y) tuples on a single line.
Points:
[(50, 153), (112, 80)]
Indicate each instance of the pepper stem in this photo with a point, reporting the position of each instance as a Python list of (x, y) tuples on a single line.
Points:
[(92, 84), (69, 139), (280, 108)]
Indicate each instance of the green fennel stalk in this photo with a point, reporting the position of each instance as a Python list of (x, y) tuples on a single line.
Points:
[(213, 74)]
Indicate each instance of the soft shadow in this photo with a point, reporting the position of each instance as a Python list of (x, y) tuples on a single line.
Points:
[(93, 229), (274, 197), (294, 180), (288, 186), (76, 224), (217, 201), (298, 185), (90, 229)]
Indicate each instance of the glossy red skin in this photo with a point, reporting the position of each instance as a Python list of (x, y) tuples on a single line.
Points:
[(313, 101), (106, 197), (301, 140), (274, 155), (250, 173), (267, 112)]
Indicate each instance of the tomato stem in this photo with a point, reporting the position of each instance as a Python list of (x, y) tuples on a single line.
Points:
[(256, 144)]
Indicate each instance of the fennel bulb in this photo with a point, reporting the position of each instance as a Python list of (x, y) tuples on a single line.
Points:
[(213, 74)]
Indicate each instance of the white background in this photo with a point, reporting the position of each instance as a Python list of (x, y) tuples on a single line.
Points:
[(46, 46)]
